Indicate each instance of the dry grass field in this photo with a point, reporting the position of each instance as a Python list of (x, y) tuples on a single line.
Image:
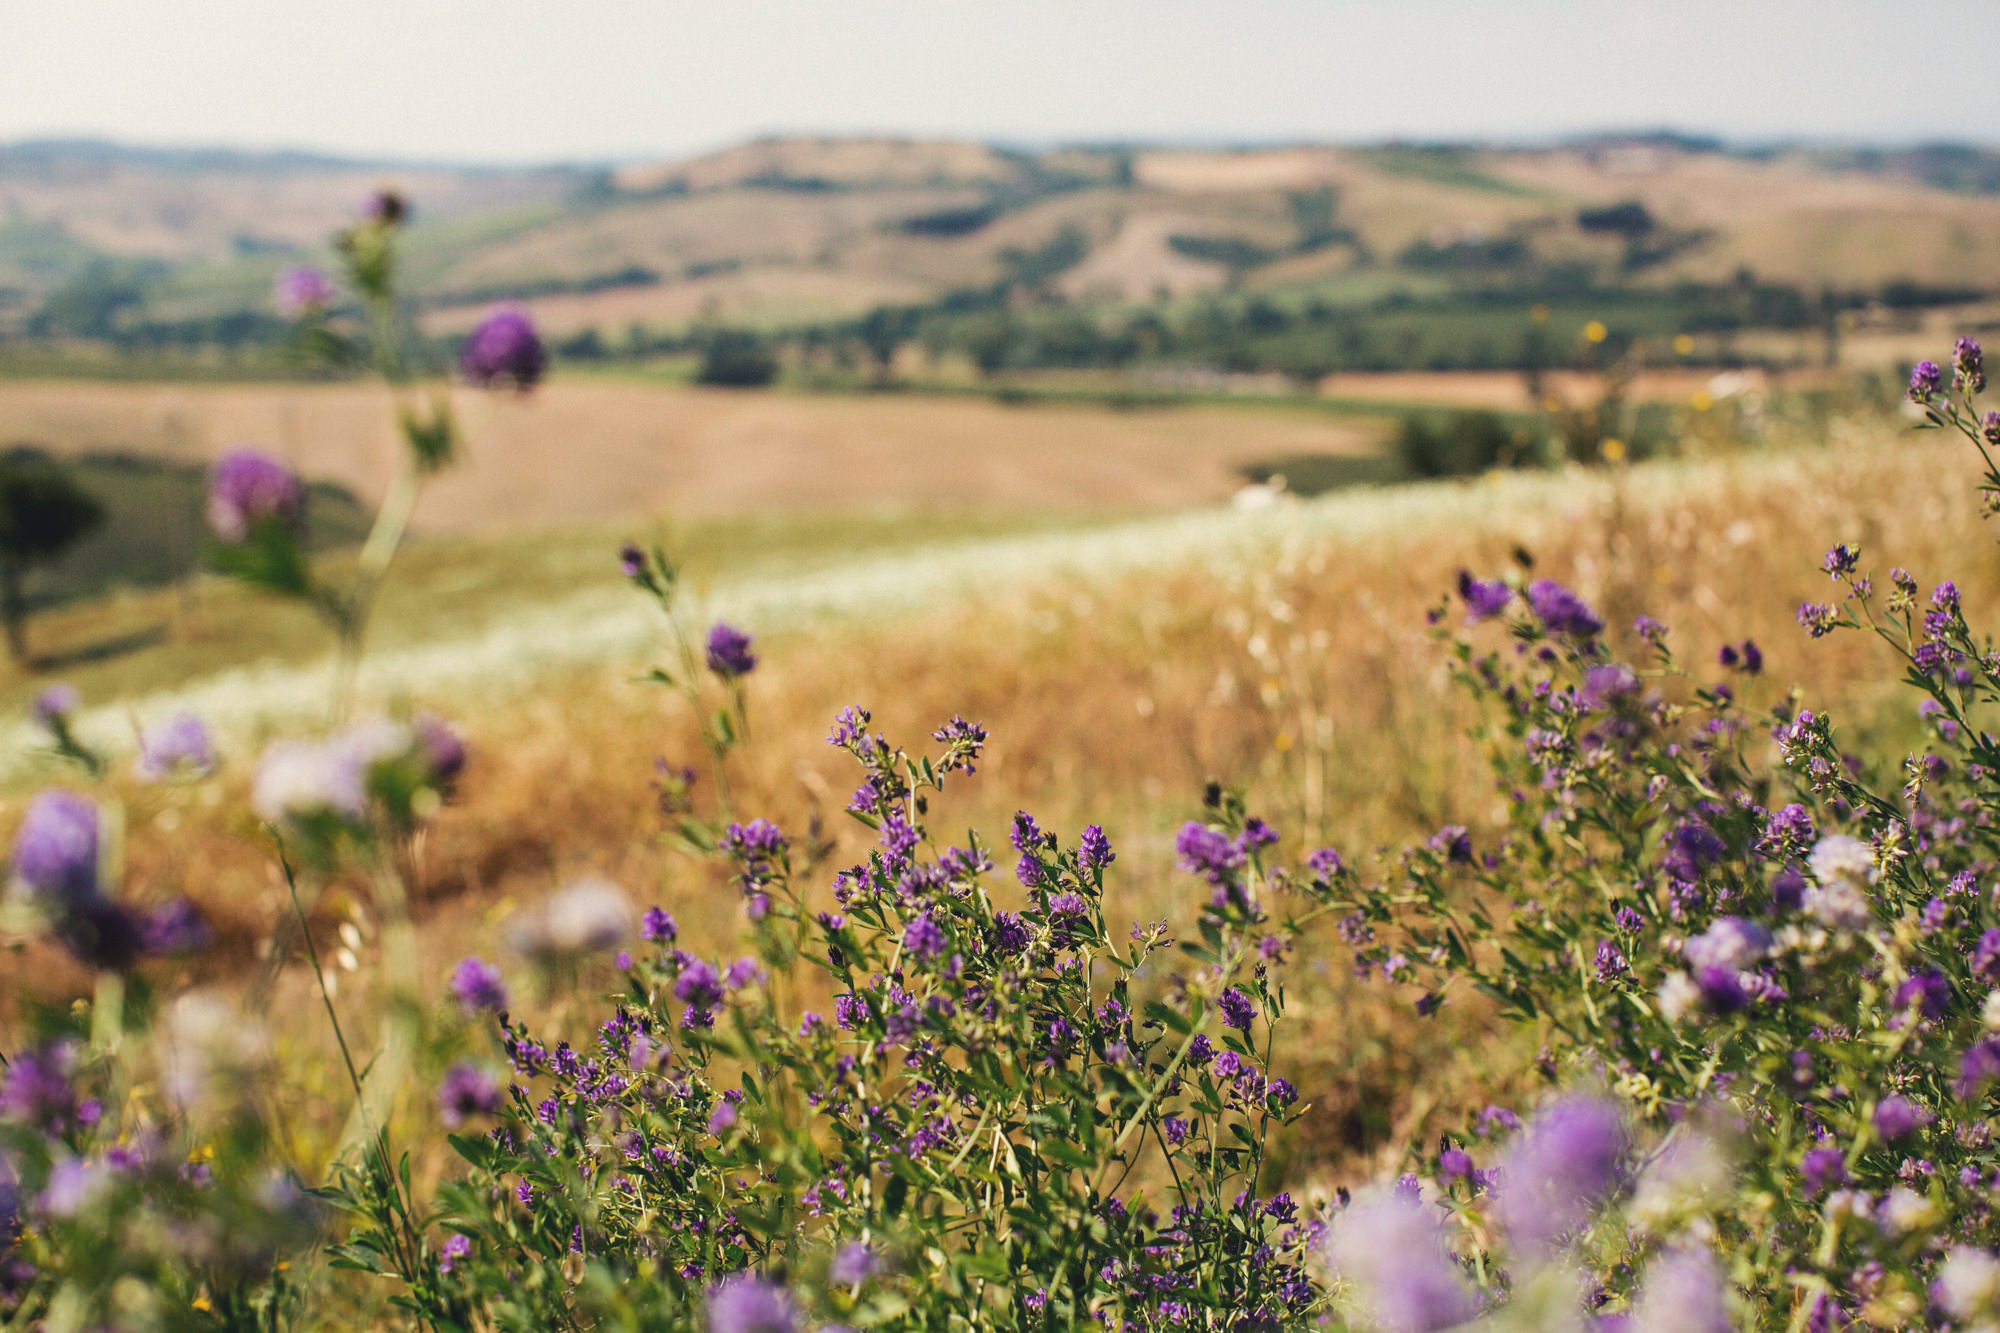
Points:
[(591, 451), (1284, 652)]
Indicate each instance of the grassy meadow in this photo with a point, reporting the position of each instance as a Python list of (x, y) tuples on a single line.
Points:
[(1123, 648)]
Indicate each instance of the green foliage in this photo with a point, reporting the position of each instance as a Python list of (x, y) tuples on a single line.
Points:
[(736, 359)]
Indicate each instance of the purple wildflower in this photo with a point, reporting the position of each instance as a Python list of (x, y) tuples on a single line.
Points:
[(1238, 1009), (54, 705), (1968, 366), (1925, 381), (1392, 1252), (504, 348), (302, 290), (924, 939), (1093, 849), (1822, 1169), (728, 651), (478, 987), (247, 489), (1483, 600), (1562, 611), (746, 1303), (658, 927), (454, 1249), (1568, 1160), (55, 848), (1899, 1117), (853, 1264), (180, 744), (467, 1093)]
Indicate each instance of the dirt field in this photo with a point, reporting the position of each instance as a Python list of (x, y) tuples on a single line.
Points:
[(581, 451)]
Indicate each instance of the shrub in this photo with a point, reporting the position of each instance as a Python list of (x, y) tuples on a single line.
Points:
[(736, 359)]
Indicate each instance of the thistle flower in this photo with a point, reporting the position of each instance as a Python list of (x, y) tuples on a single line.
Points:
[(746, 1303), (478, 987), (504, 348), (728, 651), (1392, 1253), (302, 290), (181, 744), (247, 488)]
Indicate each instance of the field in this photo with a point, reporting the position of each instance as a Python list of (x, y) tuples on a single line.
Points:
[(1592, 843)]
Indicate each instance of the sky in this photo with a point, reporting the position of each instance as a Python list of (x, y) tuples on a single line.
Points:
[(538, 80)]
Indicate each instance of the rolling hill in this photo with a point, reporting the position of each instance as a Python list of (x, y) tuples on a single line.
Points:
[(95, 239)]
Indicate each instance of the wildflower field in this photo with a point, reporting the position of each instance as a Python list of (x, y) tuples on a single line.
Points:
[(1412, 909)]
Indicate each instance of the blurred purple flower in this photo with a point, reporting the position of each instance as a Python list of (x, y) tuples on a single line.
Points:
[(174, 928), (1483, 600), (467, 1093), (504, 348), (181, 744), (55, 848), (729, 654), (1390, 1248), (1565, 1163), (853, 1264), (54, 705), (246, 488), (1682, 1293), (302, 290), (478, 987), (1925, 381), (1562, 611), (746, 1303)]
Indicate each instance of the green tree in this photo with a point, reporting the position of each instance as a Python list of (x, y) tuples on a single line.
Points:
[(43, 513)]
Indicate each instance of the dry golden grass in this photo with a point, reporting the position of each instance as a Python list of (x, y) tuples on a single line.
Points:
[(583, 451), (1305, 673)]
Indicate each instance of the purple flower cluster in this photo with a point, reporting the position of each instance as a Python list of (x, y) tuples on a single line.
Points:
[(247, 489), (728, 651), (504, 349)]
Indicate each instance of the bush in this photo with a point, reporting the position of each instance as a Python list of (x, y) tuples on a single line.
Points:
[(1460, 444), (736, 359)]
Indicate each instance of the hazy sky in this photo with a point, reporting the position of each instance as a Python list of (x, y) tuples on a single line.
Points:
[(513, 80)]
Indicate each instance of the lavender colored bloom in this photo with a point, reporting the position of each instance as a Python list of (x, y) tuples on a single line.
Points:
[(1968, 1283), (1607, 684), (1562, 611), (748, 1304), (175, 928), (478, 987), (1989, 426), (632, 560), (1093, 849), (467, 1093), (658, 927), (1454, 1164), (1010, 934), (1238, 1009), (1926, 990), (504, 348), (1683, 1293), (72, 1184), (1207, 852), (1816, 619), (1899, 1117), (924, 939), (1969, 366), (699, 986), (722, 1119), (302, 290), (55, 849), (853, 1264), (247, 488), (1841, 560), (1557, 1172), (455, 1248), (1391, 1251), (1925, 380), (1483, 600), (1822, 1169), (180, 744), (35, 1089), (729, 654), (54, 705)]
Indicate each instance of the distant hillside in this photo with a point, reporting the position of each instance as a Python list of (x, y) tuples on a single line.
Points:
[(103, 241)]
